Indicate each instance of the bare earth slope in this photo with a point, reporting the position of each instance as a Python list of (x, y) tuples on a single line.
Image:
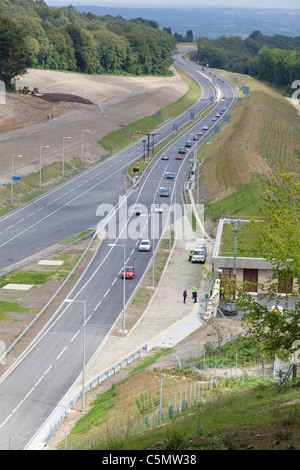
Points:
[(25, 126)]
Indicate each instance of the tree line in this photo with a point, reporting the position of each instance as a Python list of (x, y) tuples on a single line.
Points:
[(33, 35), (275, 59)]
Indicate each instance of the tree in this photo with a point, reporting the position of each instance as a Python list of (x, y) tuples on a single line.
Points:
[(13, 51), (279, 238)]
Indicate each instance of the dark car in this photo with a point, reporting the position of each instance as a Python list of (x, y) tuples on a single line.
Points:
[(229, 308), (181, 150)]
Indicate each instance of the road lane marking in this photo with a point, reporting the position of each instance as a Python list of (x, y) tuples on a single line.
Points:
[(74, 336), (61, 352), (106, 293)]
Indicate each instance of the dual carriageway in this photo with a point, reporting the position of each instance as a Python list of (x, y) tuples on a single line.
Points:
[(34, 386)]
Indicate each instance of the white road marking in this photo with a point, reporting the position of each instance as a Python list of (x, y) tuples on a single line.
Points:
[(61, 352), (106, 293)]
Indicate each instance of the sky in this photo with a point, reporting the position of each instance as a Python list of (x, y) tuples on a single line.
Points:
[(274, 4)]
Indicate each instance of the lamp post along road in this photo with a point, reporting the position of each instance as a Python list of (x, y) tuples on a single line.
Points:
[(83, 345), (12, 176), (41, 147), (63, 159), (124, 285), (86, 130)]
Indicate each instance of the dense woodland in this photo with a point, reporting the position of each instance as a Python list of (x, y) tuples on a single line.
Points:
[(33, 35), (275, 59)]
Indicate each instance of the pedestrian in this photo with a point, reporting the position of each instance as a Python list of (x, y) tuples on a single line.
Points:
[(195, 296), (190, 255), (184, 295), (193, 288)]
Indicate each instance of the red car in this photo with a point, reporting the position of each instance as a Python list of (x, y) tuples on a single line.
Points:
[(178, 157), (129, 272)]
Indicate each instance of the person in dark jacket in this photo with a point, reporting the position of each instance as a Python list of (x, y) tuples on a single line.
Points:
[(184, 295), (195, 296)]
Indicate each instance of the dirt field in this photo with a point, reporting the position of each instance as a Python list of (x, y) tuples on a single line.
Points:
[(25, 125)]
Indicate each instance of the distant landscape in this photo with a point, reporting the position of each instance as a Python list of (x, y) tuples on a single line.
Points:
[(209, 22)]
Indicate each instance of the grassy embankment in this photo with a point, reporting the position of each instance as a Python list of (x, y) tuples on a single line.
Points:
[(264, 130), (236, 414)]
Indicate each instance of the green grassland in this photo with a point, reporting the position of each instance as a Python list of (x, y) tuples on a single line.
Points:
[(241, 414), (263, 132), (120, 139)]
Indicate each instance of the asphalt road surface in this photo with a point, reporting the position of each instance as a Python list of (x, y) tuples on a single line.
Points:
[(33, 388)]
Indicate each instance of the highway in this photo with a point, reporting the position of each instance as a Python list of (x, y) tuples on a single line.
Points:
[(33, 388)]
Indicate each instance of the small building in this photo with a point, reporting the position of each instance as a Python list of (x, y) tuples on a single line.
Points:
[(244, 269)]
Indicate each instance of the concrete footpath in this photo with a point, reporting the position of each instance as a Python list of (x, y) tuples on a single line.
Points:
[(167, 320)]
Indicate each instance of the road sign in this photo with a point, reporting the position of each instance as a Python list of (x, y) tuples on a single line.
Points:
[(16, 178)]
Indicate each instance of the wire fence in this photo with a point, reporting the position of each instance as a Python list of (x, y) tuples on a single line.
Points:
[(199, 380)]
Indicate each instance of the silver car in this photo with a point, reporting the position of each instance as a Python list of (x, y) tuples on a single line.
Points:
[(145, 245)]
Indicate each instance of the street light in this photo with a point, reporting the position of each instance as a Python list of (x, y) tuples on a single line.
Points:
[(124, 279), (63, 161), (83, 360), (82, 145), (41, 147), (12, 176)]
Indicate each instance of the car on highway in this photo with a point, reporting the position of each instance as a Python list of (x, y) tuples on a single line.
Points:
[(195, 137), (165, 157), (188, 144), (214, 119), (181, 151), (158, 208), (205, 128), (129, 272), (138, 209), (199, 256), (178, 157), (217, 115), (229, 308), (224, 109), (199, 133), (223, 99), (169, 176), (164, 192), (145, 245)]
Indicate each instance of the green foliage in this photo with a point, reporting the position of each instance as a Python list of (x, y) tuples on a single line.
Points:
[(174, 440), (65, 39), (273, 59), (13, 50)]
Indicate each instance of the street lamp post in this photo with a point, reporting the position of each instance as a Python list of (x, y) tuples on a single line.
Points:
[(86, 130), (83, 344), (12, 176), (41, 147), (124, 284), (63, 159)]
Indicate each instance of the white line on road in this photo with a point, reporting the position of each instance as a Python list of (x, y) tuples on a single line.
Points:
[(106, 293), (61, 352)]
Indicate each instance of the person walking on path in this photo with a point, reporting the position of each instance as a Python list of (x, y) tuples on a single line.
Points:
[(184, 295), (195, 296), (193, 289)]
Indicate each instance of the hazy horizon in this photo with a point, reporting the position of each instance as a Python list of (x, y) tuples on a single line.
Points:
[(261, 4)]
